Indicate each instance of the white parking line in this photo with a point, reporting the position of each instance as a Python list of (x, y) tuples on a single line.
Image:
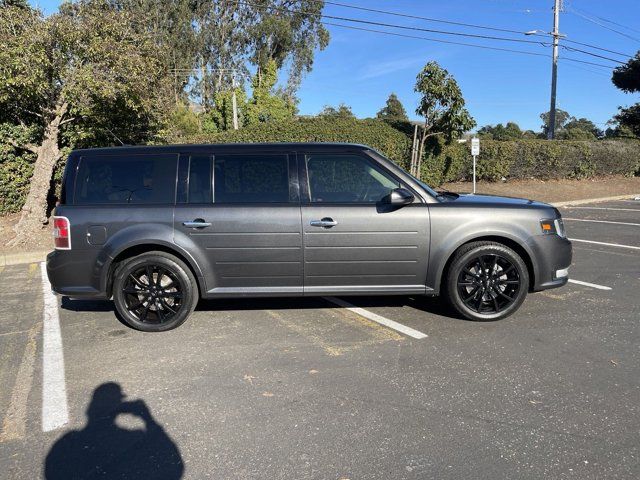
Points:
[(378, 318), (55, 412), (605, 243), (605, 208), (601, 221), (587, 284)]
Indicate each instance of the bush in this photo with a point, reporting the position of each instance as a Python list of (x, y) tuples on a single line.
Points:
[(442, 163), (375, 133), (15, 173), (541, 159)]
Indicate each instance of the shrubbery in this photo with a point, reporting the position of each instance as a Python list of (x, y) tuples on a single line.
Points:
[(375, 133), (519, 159), (541, 159)]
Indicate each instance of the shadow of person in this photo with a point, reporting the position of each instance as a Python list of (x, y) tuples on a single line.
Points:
[(103, 449)]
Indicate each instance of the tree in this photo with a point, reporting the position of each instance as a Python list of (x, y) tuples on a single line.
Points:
[(265, 104), (393, 110), (63, 77), (501, 132), (562, 118), (287, 32), (627, 79), (343, 111), (581, 129), (441, 105)]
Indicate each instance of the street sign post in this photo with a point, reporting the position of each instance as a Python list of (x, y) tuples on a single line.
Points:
[(475, 151)]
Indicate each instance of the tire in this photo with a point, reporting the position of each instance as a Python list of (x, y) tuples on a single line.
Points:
[(162, 305), (491, 290)]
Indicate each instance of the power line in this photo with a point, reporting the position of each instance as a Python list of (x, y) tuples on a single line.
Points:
[(391, 25), (418, 17), (600, 24), (567, 40), (471, 25), (406, 27), (403, 35)]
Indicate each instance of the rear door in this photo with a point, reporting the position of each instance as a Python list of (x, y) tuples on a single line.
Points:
[(352, 242), (240, 215)]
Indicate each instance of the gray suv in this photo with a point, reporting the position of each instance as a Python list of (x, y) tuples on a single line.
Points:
[(157, 228)]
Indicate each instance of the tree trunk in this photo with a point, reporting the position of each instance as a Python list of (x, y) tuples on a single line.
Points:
[(34, 211)]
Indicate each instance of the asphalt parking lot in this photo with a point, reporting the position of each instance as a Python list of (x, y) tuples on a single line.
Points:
[(306, 388)]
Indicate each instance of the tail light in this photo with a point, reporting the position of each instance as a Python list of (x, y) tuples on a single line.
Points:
[(61, 233)]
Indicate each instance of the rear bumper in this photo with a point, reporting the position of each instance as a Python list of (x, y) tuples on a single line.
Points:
[(551, 253), (71, 273)]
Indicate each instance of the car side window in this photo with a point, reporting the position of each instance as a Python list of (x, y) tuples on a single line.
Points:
[(251, 179), (126, 179), (336, 178), (200, 186)]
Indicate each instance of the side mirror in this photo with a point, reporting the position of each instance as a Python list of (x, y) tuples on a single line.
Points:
[(399, 197)]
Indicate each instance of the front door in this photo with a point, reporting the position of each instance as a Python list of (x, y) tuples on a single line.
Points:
[(352, 242), (240, 213)]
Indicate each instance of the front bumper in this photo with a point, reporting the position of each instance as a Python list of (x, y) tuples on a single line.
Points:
[(551, 254)]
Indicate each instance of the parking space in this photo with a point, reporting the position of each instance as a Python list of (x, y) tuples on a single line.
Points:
[(311, 388)]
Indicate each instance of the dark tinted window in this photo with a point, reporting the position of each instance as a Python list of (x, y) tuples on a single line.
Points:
[(200, 179), (251, 179), (347, 179), (134, 179)]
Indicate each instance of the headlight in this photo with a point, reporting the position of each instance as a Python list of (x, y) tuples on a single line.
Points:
[(553, 226), (560, 227)]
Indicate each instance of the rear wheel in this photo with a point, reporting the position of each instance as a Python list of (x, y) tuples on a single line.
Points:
[(486, 281), (154, 292)]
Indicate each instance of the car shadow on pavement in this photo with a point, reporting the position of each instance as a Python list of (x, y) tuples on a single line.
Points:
[(103, 449), (78, 305), (431, 305)]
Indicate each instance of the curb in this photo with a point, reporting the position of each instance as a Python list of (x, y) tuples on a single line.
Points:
[(595, 200), (23, 257)]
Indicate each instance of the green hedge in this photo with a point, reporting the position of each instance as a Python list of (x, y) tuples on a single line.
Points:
[(377, 134), (523, 159), (15, 172)]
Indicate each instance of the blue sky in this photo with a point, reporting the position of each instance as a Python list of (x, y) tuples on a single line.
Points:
[(361, 68)]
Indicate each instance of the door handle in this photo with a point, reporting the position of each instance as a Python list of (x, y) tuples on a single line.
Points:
[(326, 222), (197, 223)]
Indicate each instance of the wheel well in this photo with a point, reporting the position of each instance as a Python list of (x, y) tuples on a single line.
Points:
[(140, 249), (513, 245)]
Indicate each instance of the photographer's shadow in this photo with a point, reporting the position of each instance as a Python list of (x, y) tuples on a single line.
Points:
[(102, 449)]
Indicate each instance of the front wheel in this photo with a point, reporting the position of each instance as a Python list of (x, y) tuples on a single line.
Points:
[(486, 281), (154, 292)]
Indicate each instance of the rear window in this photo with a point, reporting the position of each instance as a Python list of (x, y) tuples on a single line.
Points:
[(251, 179), (129, 179)]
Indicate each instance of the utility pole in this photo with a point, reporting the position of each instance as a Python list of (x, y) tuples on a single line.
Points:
[(551, 127), (233, 100)]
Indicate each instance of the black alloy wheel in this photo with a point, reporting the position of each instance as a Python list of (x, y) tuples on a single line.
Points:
[(486, 281), (154, 292)]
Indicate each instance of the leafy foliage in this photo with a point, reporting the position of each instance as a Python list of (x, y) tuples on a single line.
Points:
[(442, 103), (393, 110), (627, 79), (510, 131), (375, 133), (343, 111), (523, 159), (627, 76), (265, 105)]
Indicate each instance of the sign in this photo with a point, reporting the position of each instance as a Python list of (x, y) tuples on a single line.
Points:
[(475, 146)]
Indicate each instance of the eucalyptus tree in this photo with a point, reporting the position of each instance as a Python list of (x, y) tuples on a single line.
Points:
[(82, 72)]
